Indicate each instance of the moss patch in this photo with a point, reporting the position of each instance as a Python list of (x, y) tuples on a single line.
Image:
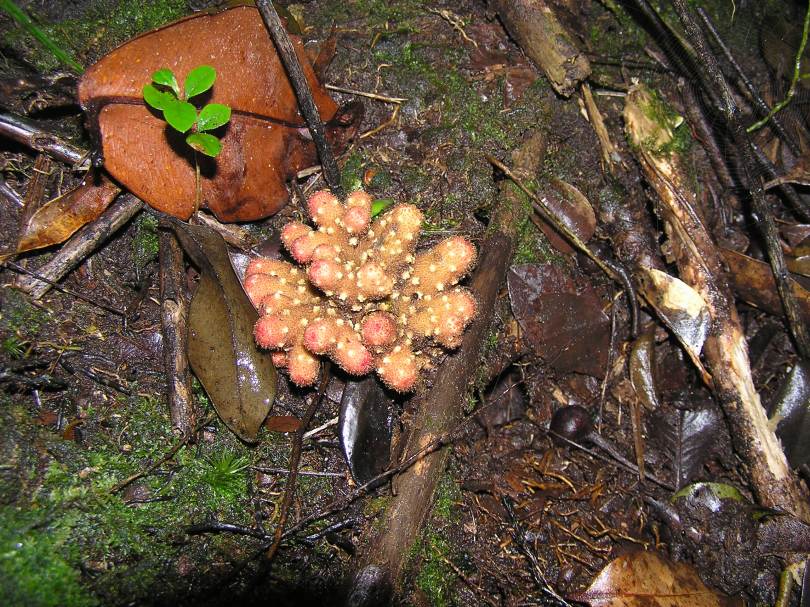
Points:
[(104, 25)]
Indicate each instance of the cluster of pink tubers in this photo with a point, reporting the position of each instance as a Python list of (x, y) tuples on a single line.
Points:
[(362, 296)]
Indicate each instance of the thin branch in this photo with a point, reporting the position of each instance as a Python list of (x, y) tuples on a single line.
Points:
[(303, 93), (713, 79), (295, 458), (58, 287), (182, 442), (759, 102), (30, 134), (797, 75)]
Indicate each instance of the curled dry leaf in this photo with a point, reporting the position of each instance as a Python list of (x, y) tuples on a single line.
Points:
[(646, 579), (238, 377), (680, 307), (264, 144), (58, 219)]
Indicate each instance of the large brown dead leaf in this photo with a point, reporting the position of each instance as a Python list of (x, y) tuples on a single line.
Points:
[(753, 281), (262, 146), (645, 579)]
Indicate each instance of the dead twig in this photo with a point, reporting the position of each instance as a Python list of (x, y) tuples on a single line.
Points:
[(759, 102), (376, 96), (58, 287), (545, 41), (182, 442), (30, 134), (441, 409), (295, 458), (80, 245)]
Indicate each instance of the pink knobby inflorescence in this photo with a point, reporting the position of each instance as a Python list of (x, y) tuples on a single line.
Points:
[(360, 293)]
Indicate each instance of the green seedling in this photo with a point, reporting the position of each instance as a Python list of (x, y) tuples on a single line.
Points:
[(164, 94)]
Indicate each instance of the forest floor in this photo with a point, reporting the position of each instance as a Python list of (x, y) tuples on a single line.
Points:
[(518, 519)]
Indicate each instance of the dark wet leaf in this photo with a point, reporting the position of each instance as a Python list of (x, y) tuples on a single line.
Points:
[(365, 428), (238, 377), (680, 307), (59, 218), (791, 412), (572, 209), (689, 438), (263, 144), (569, 330), (647, 579), (504, 402), (753, 281)]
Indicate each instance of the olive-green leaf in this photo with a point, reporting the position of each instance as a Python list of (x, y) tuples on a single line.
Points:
[(158, 99), (213, 116), (199, 80), (204, 143), (239, 378), (166, 77), (181, 115)]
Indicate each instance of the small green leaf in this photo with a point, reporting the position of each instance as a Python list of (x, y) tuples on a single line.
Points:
[(199, 80), (379, 205), (166, 77), (212, 116), (181, 115), (159, 100), (204, 143), (721, 491)]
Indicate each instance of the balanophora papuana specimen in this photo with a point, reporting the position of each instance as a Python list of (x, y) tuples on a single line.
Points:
[(361, 294)]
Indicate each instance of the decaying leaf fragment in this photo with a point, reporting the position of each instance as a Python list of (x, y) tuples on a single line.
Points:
[(264, 144), (239, 378), (645, 579), (567, 328), (58, 219)]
